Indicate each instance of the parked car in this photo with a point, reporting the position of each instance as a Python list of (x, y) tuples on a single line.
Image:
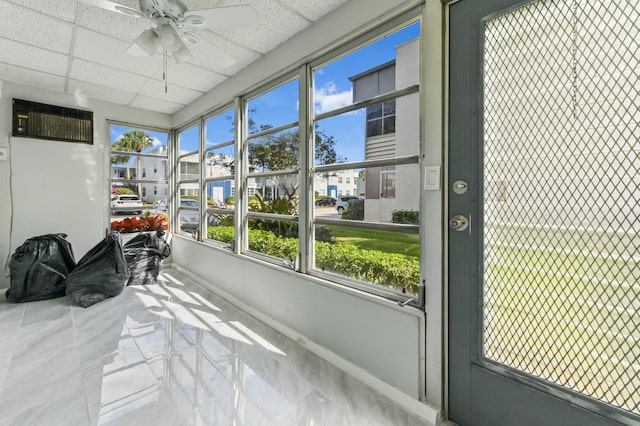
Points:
[(343, 202), (326, 201), (190, 219), (126, 203)]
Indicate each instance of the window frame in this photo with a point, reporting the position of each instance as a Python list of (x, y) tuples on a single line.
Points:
[(306, 168), (121, 178)]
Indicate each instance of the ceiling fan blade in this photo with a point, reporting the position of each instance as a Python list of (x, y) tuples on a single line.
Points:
[(225, 17), (114, 7), (210, 50)]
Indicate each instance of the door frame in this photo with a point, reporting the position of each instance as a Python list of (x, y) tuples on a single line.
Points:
[(507, 396)]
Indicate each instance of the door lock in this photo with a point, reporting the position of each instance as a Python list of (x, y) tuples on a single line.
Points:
[(459, 223)]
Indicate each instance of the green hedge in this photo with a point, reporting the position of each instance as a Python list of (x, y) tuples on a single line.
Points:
[(411, 217), (388, 269)]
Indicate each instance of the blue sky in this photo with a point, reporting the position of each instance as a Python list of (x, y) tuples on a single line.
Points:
[(332, 90)]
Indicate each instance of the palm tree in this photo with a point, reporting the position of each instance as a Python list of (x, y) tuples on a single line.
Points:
[(131, 141)]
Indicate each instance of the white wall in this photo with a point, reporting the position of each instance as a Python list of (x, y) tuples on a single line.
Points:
[(58, 187), (376, 335)]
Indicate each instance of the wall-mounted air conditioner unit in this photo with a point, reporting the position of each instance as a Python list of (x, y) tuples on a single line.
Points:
[(42, 121)]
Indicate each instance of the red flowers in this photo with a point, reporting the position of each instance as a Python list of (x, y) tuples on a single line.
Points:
[(147, 223)]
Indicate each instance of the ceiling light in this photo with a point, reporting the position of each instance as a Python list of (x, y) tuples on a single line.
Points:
[(182, 55), (145, 45), (169, 39)]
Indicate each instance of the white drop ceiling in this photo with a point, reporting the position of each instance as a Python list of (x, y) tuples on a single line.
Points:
[(71, 47)]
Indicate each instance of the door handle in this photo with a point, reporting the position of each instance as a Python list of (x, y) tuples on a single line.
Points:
[(459, 223)]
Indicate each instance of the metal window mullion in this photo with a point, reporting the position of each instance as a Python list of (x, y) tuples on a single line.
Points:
[(139, 181), (272, 216), (273, 173), (218, 146), (377, 226), (202, 225), (218, 178), (273, 130), (306, 147), (241, 234), (137, 154), (190, 153), (395, 161), (173, 182), (415, 88), (180, 182)]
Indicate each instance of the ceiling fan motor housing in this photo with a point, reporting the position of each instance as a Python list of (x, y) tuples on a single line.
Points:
[(171, 9)]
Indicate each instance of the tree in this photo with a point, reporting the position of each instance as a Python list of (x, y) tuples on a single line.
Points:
[(131, 141), (281, 152)]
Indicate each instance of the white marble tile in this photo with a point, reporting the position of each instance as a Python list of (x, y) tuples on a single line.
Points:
[(45, 311), (32, 402), (169, 355)]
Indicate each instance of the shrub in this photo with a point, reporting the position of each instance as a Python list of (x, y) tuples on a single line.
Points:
[(390, 269), (355, 210), (410, 217)]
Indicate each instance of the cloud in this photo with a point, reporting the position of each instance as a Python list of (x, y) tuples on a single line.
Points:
[(327, 98), (156, 142)]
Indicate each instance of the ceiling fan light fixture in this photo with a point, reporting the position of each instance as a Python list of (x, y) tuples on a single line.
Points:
[(169, 39), (182, 55), (147, 44)]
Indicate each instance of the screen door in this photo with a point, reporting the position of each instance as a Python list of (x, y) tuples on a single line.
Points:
[(544, 212)]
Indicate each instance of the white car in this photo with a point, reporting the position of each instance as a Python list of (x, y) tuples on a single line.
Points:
[(126, 203), (343, 202)]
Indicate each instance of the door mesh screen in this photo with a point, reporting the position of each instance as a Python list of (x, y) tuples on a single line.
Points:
[(562, 195)]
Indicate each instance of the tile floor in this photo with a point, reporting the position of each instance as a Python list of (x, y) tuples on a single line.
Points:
[(169, 354)]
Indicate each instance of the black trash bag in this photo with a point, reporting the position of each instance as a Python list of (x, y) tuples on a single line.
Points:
[(100, 274), (39, 268), (143, 254)]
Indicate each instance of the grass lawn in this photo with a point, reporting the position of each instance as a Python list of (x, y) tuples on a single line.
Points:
[(385, 241)]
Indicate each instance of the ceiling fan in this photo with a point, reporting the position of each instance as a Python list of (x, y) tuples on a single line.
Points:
[(174, 26)]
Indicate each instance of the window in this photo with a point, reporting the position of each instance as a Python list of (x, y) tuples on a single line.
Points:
[(357, 96), (155, 190), (381, 119), (133, 149), (188, 180), (389, 69), (388, 183), (220, 167), (273, 160)]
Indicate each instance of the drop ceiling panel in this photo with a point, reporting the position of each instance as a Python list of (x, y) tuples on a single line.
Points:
[(117, 25), (153, 104), (106, 76), (191, 77), (108, 94), (278, 22), (241, 54), (31, 78), (33, 58), (62, 9), (313, 9), (34, 28), (175, 93), (112, 52)]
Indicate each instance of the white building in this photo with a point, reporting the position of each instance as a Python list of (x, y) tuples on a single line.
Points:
[(391, 131)]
